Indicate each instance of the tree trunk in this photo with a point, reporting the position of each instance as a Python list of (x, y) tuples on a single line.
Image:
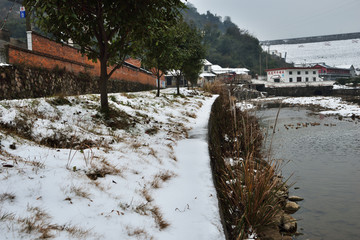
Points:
[(178, 84), (158, 92), (158, 83), (103, 87)]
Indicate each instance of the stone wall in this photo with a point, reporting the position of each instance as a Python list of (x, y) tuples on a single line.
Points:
[(300, 91), (346, 92), (18, 82), (311, 91)]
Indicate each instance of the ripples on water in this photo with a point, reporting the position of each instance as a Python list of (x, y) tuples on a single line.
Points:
[(325, 161)]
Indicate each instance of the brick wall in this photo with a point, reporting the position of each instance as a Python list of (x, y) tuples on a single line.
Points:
[(50, 55)]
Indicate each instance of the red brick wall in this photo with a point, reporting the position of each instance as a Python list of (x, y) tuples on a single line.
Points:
[(49, 54)]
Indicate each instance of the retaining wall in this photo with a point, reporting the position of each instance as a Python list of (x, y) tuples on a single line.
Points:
[(18, 82)]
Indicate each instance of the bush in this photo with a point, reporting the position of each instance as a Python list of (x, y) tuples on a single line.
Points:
[(342, 81)]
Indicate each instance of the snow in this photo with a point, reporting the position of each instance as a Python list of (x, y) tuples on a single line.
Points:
[(334, 105), (293, 84), (334, 53), (154, 178)]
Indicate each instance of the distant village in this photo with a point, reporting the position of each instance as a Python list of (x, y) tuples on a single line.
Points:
[(37, 53)]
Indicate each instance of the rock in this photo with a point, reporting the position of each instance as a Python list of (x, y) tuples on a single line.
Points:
[(289, 224), (295, 198), (291, 207), (270, 233), (12, 146)]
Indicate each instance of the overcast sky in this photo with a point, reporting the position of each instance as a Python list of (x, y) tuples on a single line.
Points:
[(278, 19)]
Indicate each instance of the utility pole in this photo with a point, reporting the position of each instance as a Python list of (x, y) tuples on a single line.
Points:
[(260, 64)]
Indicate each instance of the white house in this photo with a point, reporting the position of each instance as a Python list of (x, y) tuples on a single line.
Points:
[(211, 72), (206, 74), (293, 74)]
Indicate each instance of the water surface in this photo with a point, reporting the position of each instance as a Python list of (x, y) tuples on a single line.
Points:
[(325, 162)]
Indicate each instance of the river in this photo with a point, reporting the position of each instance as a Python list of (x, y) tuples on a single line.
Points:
[(323, 154)]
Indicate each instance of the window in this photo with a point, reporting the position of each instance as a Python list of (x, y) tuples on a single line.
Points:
[(206, 68), (306, 72), (307, 79), (314, 79), (290, 73), (314, 72), (298, 79), (277, 80), (299, 72), (290, 80)]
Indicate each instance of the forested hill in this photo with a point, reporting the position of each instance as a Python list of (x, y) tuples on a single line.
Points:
[(228, 45)]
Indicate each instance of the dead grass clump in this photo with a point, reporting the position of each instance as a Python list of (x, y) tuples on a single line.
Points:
[(77, 232), (190, 114), (152, 131), (79, 191), (139, 233), (21, 126), (161, 178), (159, 219), (4, 216), (216, 87), (117, 119), (101, 169), (7, 197), (145, 193), (152, 152), (59, 101)]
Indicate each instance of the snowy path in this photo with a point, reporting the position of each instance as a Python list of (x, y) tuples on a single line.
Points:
[(190, 201)]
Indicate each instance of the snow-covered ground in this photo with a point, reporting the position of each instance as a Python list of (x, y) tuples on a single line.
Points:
[(334, 53), (334, 105), (147, 178)]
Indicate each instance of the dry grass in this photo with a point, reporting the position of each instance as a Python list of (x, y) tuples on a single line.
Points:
[(79, 192), (7, 197), (5, 216), (159, 219), (248, 191), (139, 233), (161, 177), (136, 145), (145, 193), (216, 88)]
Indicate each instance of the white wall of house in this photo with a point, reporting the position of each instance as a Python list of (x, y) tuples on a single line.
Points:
[(293, 75)]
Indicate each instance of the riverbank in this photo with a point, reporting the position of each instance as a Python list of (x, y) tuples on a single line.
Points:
[(253, 196), (343, 107)]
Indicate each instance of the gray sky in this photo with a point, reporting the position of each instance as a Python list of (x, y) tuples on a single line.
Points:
[(278, 19)]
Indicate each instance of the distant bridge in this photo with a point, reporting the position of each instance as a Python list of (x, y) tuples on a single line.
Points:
[(325, 38)]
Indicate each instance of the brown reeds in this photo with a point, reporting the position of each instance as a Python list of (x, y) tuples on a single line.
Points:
[(248, 186)]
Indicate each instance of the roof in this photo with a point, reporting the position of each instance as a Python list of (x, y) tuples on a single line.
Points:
[(289, 68), (219, 70), (206, 62), (206, 74), (348, 67)]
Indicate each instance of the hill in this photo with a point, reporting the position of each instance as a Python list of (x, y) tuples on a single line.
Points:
[(334, 53), (228, 45)]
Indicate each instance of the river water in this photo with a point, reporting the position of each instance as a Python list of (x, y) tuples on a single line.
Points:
[(324, 159)]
